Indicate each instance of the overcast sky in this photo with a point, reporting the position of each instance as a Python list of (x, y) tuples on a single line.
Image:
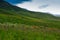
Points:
[(50, 6)]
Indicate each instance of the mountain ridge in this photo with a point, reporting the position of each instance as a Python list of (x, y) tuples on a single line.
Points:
[(14, 14)]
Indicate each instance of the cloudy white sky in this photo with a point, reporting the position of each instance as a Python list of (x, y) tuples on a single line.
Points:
[(50, 6)]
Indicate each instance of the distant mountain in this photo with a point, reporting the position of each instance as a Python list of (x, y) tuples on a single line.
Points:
[(14, 14), (57, 15)]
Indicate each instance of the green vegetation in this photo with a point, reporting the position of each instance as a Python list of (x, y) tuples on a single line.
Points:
[(20, 24), (16, 31)]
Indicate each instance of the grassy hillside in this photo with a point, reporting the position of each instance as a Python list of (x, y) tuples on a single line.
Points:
[(10, 31), (20, 24)]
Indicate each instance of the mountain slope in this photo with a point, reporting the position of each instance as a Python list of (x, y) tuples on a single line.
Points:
[(20, 24), (8, 7), (13, 14)]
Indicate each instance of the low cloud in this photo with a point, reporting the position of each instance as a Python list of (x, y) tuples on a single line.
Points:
[(44, 6), (50, 6)]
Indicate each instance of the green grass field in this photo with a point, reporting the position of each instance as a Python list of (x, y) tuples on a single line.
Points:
[(16, 27), (13, 27), (9, 31)]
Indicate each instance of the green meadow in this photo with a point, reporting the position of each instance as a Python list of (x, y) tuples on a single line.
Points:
[(16, 31)]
